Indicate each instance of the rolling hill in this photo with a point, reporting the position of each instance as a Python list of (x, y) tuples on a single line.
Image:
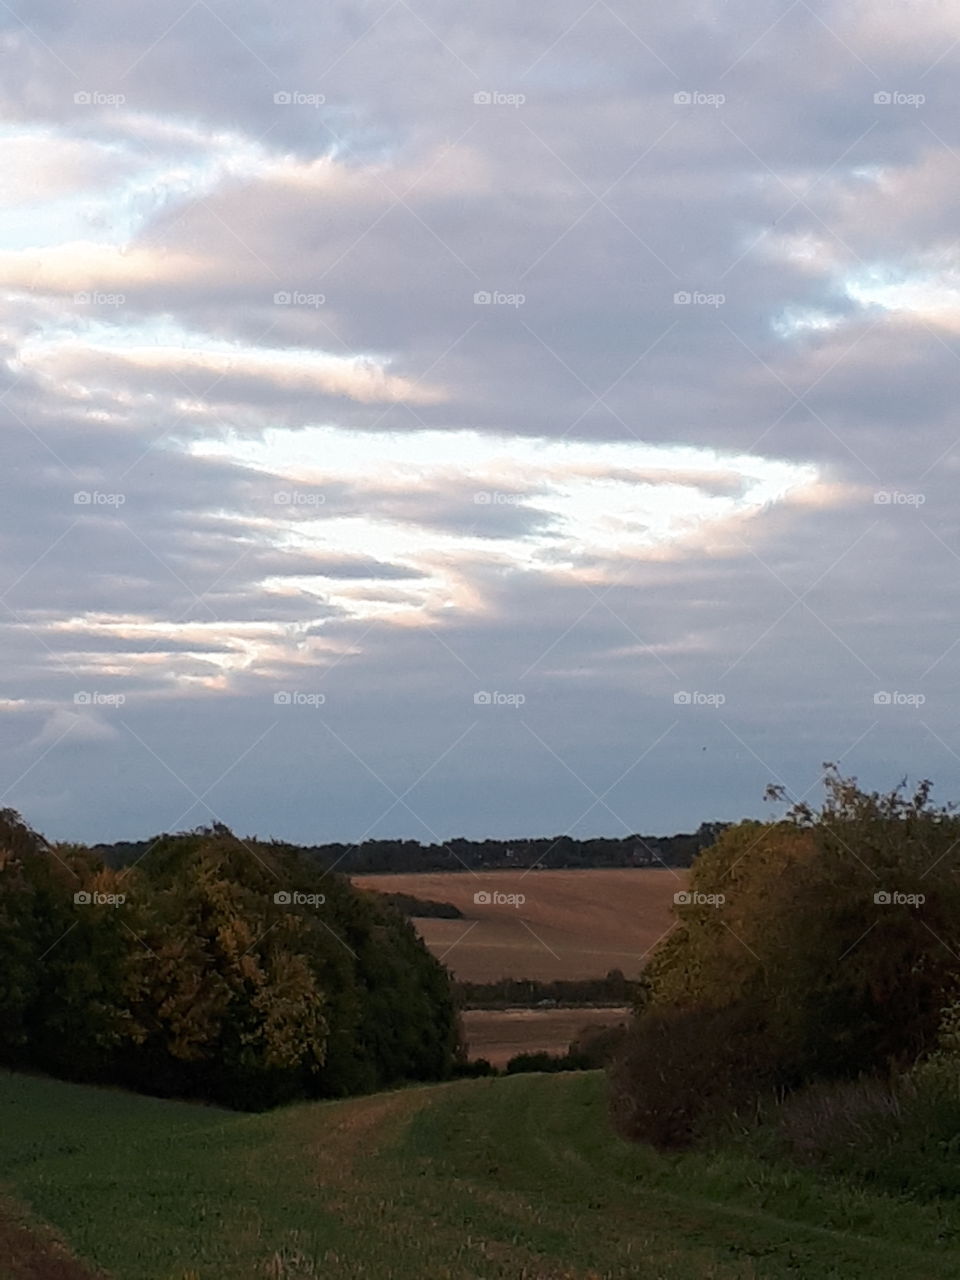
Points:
[(571, 924), (493, 1179)]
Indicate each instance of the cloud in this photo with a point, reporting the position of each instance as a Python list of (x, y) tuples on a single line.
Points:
[(183, 365), (74, 730), (408, 354)]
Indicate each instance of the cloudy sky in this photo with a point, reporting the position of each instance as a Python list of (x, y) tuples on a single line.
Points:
[(439, 420)]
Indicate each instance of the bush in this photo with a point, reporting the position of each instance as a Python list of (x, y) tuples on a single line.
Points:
[(474, 1068), (680, 1071), (422, 908), (596, 1047), (783, 917), (540, 1061), (819, 948)]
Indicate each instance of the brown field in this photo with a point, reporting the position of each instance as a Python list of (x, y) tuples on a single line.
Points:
[(573, 924), (499, 1034)]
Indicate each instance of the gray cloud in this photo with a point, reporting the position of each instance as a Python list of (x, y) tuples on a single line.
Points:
[(143, 243)]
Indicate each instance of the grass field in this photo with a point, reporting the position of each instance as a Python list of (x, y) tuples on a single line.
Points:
[(479, 1180), (573, 924), (499, 1034)]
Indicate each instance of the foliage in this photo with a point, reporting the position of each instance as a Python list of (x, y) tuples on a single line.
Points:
[(832, 935), (593, 1048), (596, 1047), (475, 1068), (541, 1060), (423, 908), (214, 969), (841, 928), (680, 1069)]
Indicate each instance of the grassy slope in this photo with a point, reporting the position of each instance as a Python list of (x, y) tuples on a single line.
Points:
[(513, 1177)]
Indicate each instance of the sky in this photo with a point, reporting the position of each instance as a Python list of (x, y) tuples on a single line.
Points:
[(437, 420)]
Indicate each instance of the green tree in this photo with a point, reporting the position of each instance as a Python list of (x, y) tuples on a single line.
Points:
[(829, 941)]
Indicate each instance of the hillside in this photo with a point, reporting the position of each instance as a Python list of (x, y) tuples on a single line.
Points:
[(571, 924), (477, 1180)]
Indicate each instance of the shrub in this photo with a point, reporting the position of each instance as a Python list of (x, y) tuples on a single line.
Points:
[(784, 917), (474, 1068), (596, 1047), (541, 1060), (680, 1070)]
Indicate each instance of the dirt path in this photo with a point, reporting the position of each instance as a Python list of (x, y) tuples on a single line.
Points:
[(33, 1252)]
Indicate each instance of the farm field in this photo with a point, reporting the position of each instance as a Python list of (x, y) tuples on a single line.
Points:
[(498, 1178), (572, 924), (499, 1034)]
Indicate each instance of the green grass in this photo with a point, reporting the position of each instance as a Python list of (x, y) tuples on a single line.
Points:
[(511, 1177)]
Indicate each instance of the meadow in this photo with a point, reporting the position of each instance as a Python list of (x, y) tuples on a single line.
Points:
[(493, 1179)]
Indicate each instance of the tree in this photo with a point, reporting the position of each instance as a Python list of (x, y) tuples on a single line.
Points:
[(216, 968), (832, 935)]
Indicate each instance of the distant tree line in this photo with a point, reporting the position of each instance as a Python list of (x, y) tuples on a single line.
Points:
[(615, 990), (215, 968), (458, 854), (593, 1048)]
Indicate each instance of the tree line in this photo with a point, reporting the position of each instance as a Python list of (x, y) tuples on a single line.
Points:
[(615, 990), (458, 854)]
